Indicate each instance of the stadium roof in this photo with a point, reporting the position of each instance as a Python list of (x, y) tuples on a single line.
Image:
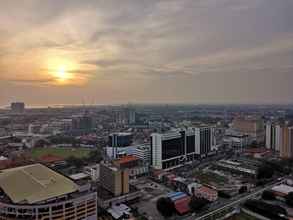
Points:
[(34, 183)]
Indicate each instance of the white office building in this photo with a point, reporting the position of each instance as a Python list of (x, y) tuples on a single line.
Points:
[(173, 149), (274, 136), (142, 152), (279, 137)]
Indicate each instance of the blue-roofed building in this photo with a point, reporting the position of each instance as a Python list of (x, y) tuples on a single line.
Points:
[(172, 194), (176, 195)]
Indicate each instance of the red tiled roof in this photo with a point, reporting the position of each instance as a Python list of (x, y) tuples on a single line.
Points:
[(158, 172), (207, 190), (5, 164), (182, 205), (171, 177), (256, 150), (127, 159), (280, 194)]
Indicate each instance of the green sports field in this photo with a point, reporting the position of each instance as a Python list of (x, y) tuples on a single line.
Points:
[(60, 151)]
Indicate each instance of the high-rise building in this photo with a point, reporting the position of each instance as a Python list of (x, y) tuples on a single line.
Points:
[(131, 116), (173, 149), (17, 107), (286, 150), (271, 136), (142, 152), (84, 122), (205, 140), (36, 192), (253, 127), (113, 179), (275, 136), (279, 137), (120, 139)]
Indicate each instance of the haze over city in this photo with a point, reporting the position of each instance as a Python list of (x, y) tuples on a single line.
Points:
[(146, 109), (104, 52)]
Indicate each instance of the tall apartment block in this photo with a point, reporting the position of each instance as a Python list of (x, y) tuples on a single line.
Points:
[(271, 136), (286, 150), (17, 107), (254, 127), (279, 137)]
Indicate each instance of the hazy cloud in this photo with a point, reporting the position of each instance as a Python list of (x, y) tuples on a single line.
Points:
[(148, 50)]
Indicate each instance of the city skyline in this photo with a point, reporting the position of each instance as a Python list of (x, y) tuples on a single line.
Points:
[(108, 52)]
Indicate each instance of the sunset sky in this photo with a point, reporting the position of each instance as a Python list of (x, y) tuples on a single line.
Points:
[(119, 51)]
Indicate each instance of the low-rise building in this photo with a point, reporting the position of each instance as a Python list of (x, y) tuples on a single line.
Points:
[(206, 193), (143, 152), (237, 167), (93, 171), (282, 190), (181, 202), (237, 141), (117, 211), (135, 166), (52, 160), (258, 152)]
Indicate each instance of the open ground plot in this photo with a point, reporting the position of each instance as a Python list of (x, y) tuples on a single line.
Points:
[(152, 191), (60, 151), (210, 177)]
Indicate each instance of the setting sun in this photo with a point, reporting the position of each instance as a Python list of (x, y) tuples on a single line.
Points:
[(62, 74), (62, 71)]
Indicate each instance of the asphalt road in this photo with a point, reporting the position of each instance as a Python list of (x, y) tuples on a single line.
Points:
[(232, 203)]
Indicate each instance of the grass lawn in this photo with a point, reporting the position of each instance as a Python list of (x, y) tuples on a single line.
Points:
[(61, 152)]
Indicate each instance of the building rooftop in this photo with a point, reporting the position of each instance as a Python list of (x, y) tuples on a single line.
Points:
[(256, 150), (182, 205), (34, 183), (117, 211), (283, 189), (122, 133), (126, 159), (3, 158), (110, 166), (78, 176), (176, 195), (5, 163), (207, 190)]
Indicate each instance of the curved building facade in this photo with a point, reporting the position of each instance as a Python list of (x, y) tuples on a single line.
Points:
[(36, 192)]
